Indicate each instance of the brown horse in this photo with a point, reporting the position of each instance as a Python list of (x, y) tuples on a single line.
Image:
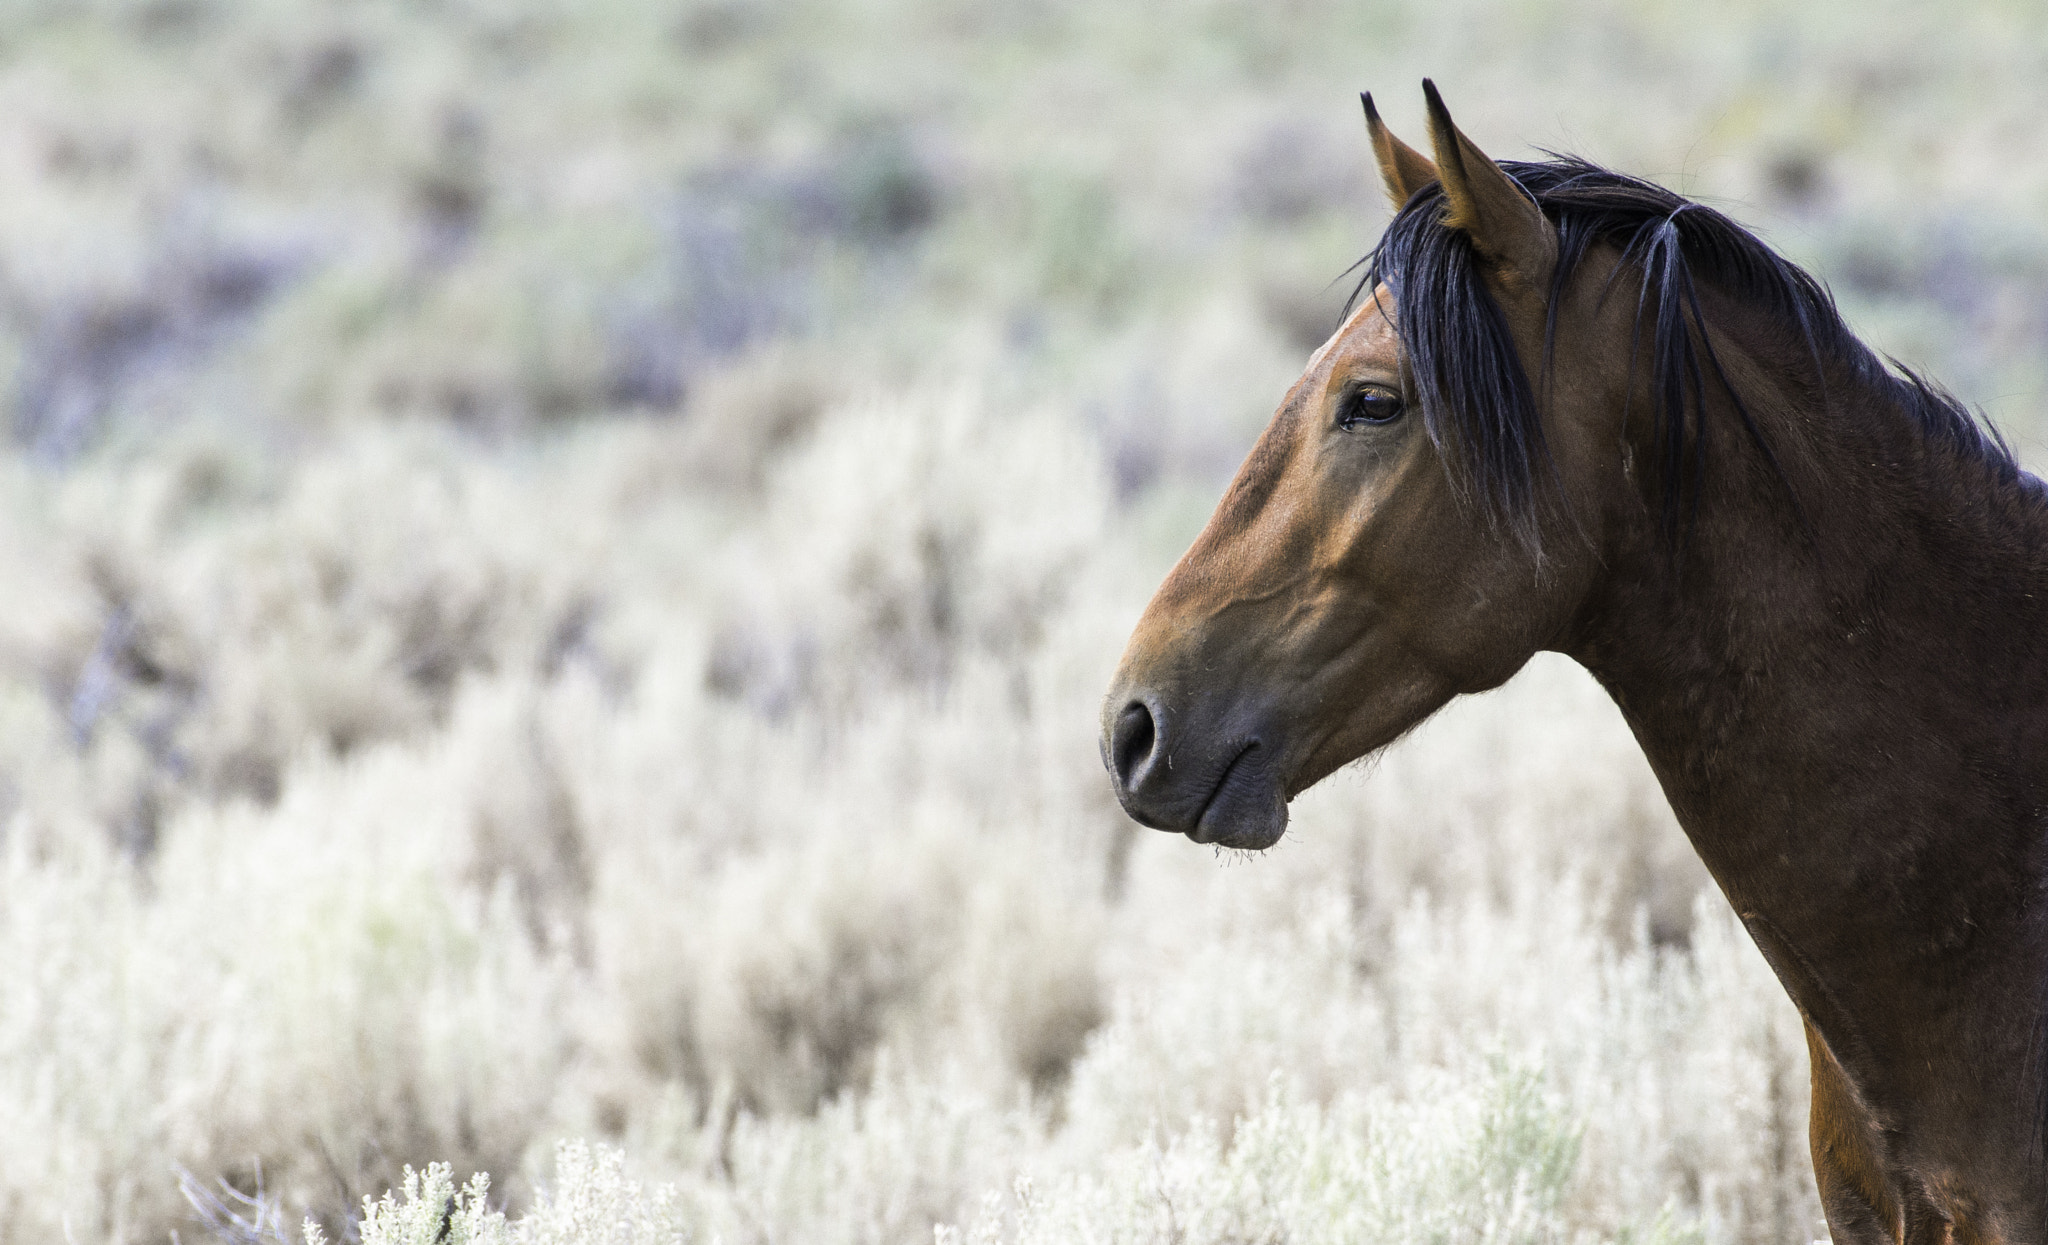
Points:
[(1574, 411)]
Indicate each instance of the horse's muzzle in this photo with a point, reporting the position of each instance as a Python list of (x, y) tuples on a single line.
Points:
[(1229, 795)]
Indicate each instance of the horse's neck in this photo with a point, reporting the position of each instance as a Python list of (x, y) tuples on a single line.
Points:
[(1846, 700)]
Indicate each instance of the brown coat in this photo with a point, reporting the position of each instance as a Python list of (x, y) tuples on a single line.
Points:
[(1815, 587)]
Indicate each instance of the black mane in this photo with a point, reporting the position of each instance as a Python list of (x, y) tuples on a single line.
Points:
[(1478, 402)]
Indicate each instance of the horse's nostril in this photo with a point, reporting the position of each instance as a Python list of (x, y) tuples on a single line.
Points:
[(1131, 745)]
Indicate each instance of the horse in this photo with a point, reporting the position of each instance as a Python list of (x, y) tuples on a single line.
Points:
[(1571, 410)]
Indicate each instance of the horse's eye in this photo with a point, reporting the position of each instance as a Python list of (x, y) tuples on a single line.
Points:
[(1368, 407)]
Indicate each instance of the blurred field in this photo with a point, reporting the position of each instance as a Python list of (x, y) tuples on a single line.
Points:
[(560, 559)]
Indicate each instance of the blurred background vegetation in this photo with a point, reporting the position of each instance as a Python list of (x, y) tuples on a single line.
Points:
[(282, 217), (560, 556)]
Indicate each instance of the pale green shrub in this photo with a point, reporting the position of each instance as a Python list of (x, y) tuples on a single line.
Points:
[(1478, 1159), (591, 1203), (1484, 1159), (432, 1209)]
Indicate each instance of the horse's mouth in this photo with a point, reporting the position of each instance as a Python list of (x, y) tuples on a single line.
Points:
[(1247, 809)]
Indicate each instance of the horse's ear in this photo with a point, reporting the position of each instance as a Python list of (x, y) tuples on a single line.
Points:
[(1482, 201), (1403, 169)]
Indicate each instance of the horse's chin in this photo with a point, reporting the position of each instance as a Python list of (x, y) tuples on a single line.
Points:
[(1248, 810)]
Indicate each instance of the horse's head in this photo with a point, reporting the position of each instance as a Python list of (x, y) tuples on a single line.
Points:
[(1378, 552)]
